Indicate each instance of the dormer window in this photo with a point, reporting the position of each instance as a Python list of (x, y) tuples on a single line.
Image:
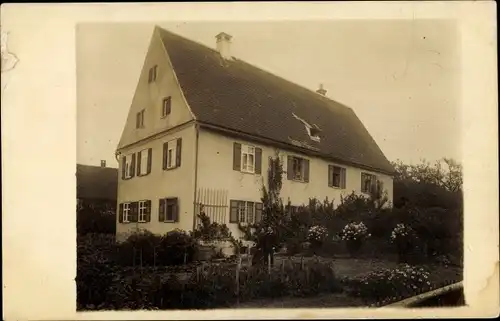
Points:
[(313, 133), (139, 120), (152, 74)]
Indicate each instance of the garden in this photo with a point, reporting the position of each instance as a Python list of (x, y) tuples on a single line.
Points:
[(359, 252)]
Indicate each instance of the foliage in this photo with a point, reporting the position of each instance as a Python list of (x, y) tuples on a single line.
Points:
[(354, 232), (95, 218), (208, 231), (391, 284)]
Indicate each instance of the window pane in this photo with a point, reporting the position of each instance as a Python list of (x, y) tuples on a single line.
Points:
[(250, 212), (241, 211)]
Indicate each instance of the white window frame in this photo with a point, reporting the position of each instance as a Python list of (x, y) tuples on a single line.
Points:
[(302, 173), (373, 181), (128, 166), (246, 210), (126, 211), (340, 175), (144, 155), (171, 156), (247, 151), (143, 206)]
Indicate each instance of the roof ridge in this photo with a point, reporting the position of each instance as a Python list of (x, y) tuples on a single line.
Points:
[(328, 99)]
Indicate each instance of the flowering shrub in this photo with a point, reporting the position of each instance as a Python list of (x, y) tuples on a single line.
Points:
[(401, 232), (355, 232), (392, 284), (317, 233)]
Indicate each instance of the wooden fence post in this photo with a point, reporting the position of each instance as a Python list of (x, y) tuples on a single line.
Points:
[(269, 264), (238, 267)]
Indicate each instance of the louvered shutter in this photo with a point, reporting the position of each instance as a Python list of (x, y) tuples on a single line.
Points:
[(330, 175), (124, 165), (237, 156), (161, 210), (289, 167), (139, 159), (233, 212), (150, 160), (258, 212), (132, 166), (134, 212), (178, 152), (306, 170), (343, 174), (176, 210), (148, 211), (258, 160), (120, 213), (165, 151)]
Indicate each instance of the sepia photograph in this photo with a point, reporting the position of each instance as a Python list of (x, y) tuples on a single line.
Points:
[(269, 164), (264, 160)]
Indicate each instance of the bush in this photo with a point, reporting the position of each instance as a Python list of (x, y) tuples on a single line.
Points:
[(391, 284)]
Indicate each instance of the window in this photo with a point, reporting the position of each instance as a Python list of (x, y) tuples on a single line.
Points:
[(172, 151), (143, 159), (139, 122), (336, 176), (128, 164), (248, 159), (126, 212), (143, 211), (245, 212), (152, 74), (169, 210), (368, 182), (167, 102)]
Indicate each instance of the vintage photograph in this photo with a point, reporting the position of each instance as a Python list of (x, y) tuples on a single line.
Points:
[(273, 164)]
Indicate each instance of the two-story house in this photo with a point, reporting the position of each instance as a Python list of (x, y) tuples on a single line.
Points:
[(201, 129)]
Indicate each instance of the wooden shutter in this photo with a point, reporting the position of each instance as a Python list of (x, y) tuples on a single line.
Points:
[(178, 152), (258, 160), (330, 175), (306, 170), (124, 165), (233, 212), (165, 151), (120, 213), (289, 167), (150, 160), (161, 210), (176, 210), (343, 174), (258, 212), (148, 211), (237, 156), (139, 159), (134, 211), (132, 166)]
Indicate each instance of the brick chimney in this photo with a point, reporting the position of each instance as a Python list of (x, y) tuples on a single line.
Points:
[(224, 45), (321, 90), (103, 163)]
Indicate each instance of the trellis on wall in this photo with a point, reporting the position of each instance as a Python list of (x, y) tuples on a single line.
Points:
[(213, 202)]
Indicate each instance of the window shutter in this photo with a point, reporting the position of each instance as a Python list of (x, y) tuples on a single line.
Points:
[(165, 150), (258, 212), (258, 160), (132, 166), (124, 165), (150, 160), (137, 120), (178, 152), (139, 157), (134, 211), (237, 156), (233, 214), (120, 213), (289, 167), (176, 210), (330, 175), (148, 211), (161, 210), (306, 170), (343, 174)]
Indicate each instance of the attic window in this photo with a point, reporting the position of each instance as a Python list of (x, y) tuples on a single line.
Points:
[(152, 74), (312, 131)]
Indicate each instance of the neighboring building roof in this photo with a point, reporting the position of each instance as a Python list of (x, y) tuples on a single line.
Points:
[(95, 182), (236, 95)]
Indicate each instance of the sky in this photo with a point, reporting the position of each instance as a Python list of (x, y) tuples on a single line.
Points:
[(401, 77)]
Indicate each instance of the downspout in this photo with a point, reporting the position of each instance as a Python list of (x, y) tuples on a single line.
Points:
[(196, 128)]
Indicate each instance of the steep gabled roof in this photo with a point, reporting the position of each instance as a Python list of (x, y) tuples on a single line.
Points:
[(236, 95), (95, 182)]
